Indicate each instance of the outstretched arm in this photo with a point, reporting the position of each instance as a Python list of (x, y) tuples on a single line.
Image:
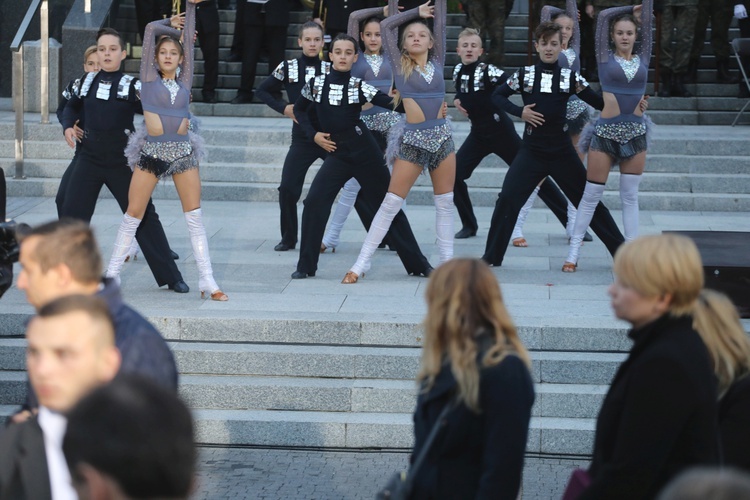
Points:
[(647, 37), (149, 70), (356, 18), (188, 43)]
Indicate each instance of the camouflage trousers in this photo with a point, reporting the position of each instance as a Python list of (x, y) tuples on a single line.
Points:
[(677, 21), (488, 16), (720, 13)]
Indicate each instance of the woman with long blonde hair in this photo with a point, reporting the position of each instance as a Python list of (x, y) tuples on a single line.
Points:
[(660, 414), (473, 360)]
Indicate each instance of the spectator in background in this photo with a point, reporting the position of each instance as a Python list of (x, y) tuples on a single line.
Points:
[(261, 19), (71, 350), (130, 439), (660, 415), (741, 9), (592, 8), (719, 12), (474, 362), (488, 17), (62, 258), (151, 10), (207, 27), (678, 21), (333, 15)]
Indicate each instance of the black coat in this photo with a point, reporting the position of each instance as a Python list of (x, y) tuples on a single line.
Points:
[(23, 462), (337, 12), (272, 13), (659, 416), (734, 424), (475, 455)]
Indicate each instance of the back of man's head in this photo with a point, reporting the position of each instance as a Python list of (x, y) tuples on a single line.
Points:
[(58, 258), (131, 437), (71, 350)]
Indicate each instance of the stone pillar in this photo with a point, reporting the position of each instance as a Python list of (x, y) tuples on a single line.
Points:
[(32, 56)]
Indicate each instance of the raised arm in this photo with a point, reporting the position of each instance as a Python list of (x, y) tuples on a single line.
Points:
[(356, 18), (149, 69), (441, 13), (602, 29), (548, 12), (188, 43), (389, 32), (647, 36)]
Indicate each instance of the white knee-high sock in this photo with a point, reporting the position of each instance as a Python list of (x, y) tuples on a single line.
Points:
[(343, 209), (199, 241), (629, 197), (570, 226), (521, 220), (444, 209), (381, 223), (590, 199), (123, 242)]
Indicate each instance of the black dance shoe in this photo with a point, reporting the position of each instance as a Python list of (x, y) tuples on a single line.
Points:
[(283, 247), (179, 287), (465, 232), (174, 255), (426, 273), (588, 237), (300, 275)]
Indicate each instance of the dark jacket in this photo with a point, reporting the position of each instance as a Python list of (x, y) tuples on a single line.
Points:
[(475, 455), (337, 12), (659, 416), (23, 462), (272, 13), (734, 424)]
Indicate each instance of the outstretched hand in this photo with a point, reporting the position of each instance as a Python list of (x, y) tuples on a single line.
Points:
[(426, 10), (70, 137), (637, 11), (177, 21), (532, 117)]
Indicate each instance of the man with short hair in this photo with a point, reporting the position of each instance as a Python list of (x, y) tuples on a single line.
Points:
[(62, 258), (148, 434), (71, 350)]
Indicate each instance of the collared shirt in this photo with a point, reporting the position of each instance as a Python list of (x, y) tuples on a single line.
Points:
[(53, 426)]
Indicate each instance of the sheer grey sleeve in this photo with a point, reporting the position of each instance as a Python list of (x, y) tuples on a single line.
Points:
[(602, 30), (389, 33), (149, 69), (548, 11), (571, 8), (441, 13), (188, 43), (356, 17), (647, 34)]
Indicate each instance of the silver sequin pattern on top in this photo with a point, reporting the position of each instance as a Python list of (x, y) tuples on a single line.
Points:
[(621, 132), (528, 79), (629, 67), (335, 94), (570, 55), (545, 85), (429, 139), (513, 82), (375, 61), (565, 80), (278, 73), (574, 108), (172, 87), (381, 122), (86, 85), (368, 90), (428, 72)]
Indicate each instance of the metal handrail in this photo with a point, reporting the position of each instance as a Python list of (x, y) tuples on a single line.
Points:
[(18, 80)]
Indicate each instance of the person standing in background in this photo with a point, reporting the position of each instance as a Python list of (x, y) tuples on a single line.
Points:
[(207, 27), (333, 15), (719, 12), (740, 12), (488, 17), (151, 10), (678, 19)]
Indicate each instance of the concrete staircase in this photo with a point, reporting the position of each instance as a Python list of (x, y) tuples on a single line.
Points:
[(713, 104)]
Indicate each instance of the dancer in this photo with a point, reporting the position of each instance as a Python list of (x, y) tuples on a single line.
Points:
[(375, 70), (546, 148), (425, 141), (336, 100), (108, 100), (291, 76), (620, 135), (491, 132), (165, 146), (475, 383)]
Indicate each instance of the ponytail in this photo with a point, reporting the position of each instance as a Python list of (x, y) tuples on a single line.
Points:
[(715, 318)]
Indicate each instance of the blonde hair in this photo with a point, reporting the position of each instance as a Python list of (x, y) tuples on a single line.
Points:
[(463, 302), (91, 50), (470, 32), (670, 264), (407, 63)]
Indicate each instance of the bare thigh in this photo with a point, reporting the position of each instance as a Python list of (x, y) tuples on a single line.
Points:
[(142, 186), (188, 186), (598, 166), (635, 165), (403, 177), (444, 176)]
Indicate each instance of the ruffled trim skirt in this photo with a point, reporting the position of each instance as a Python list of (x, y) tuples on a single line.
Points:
[(577, 115), (164, 158), (425, 144), (619, 139)]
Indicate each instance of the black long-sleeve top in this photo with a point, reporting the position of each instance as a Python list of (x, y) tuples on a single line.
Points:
[(475, 83), (734, 415), (291, 75), (549, 87), (115, 113), (69, 91), (339, 98)]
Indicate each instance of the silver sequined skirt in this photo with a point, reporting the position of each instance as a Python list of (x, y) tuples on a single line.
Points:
[(381, 122), (577, 115), (426, 144), (167, 158)]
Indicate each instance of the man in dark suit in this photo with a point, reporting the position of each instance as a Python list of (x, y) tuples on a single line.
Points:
[(71, 350), (261, 20), (334, 14)]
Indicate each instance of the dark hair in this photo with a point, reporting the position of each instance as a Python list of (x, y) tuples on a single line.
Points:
[(91, 305), (310, 25), (113, 32), (71, 242), (343, 37), (169, 38), (623, 17), (547, 30), (371, 19), (136, 432)]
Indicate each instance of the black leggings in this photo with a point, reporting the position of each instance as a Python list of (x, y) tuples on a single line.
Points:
[(529, 167), (356, 156)]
